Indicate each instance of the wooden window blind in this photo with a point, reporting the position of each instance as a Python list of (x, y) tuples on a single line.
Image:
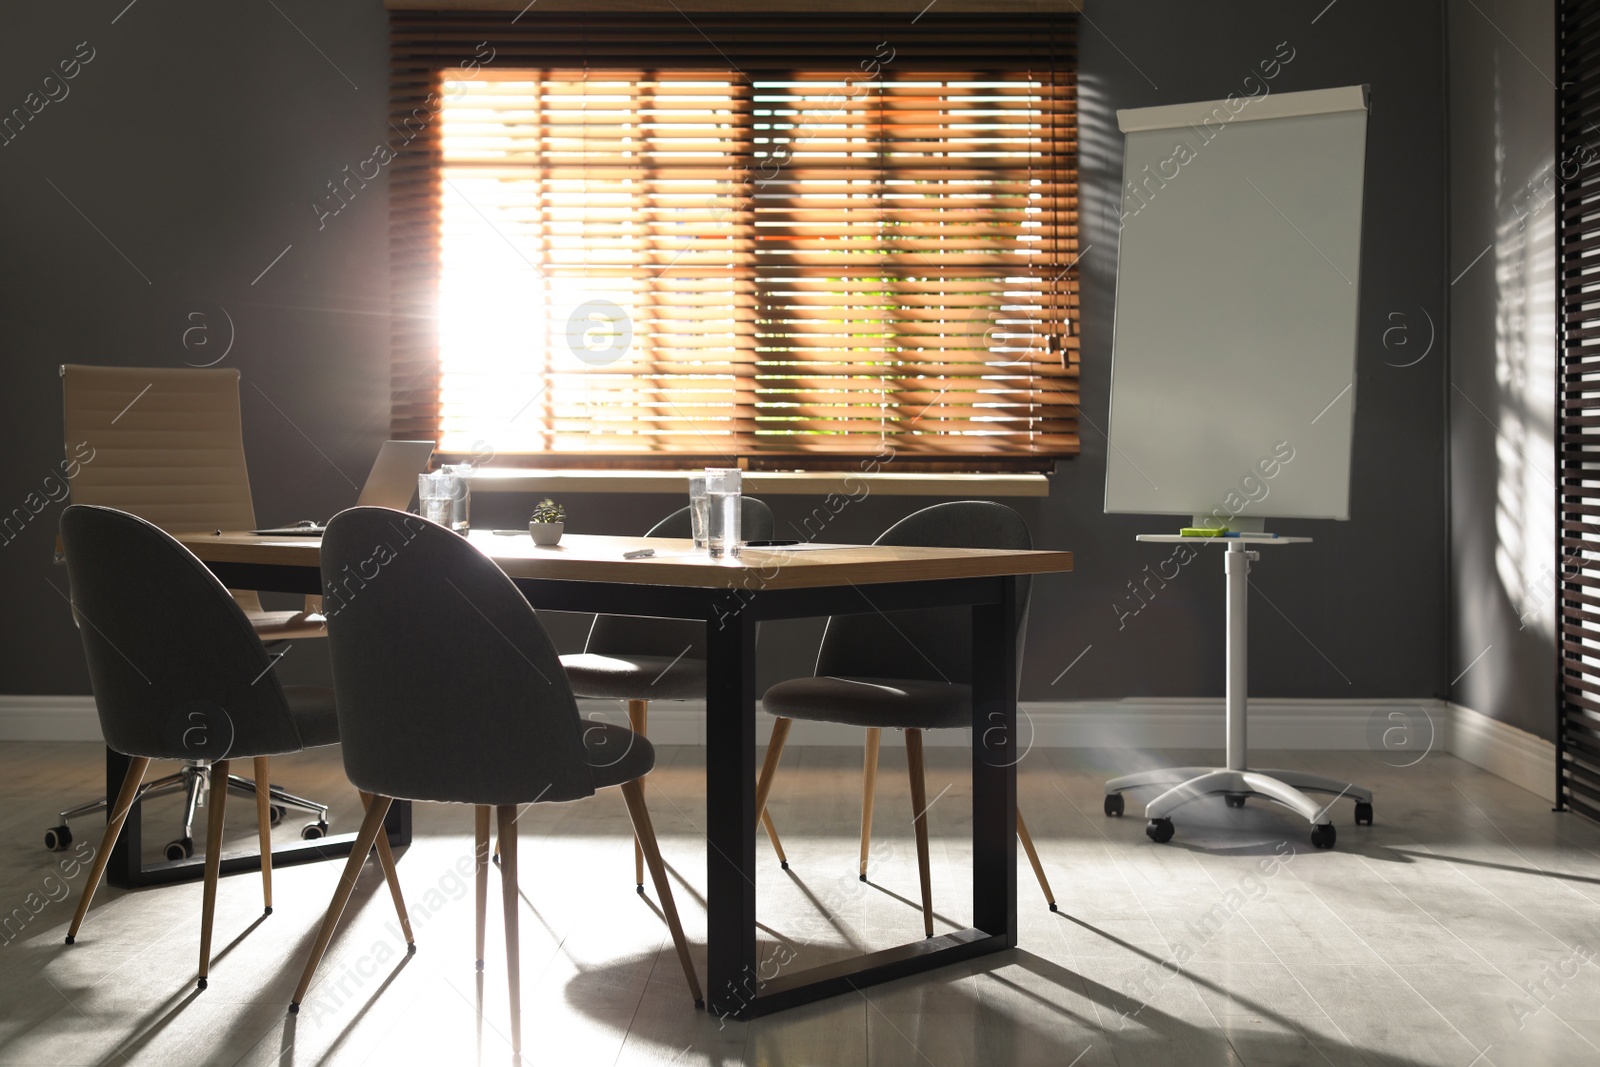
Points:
[(784, 240), (1577, 172)]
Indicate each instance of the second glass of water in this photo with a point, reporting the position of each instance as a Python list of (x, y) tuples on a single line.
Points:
[(722, 511)]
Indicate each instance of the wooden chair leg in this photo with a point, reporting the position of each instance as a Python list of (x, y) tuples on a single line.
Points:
[(919, 822), (638, 720), (507, 816), (769, 769), (115, 817), (208, 907), (264, 828), (480, 836), (869, 787), (371, 825), (392, 876), (1033, 858), (772, 835), (642, 828)]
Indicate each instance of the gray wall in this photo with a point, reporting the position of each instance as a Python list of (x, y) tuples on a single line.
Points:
[(1502, 359), (199, 135), (1354, 614)]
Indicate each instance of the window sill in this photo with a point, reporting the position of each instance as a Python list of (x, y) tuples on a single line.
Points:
[(762, 483)]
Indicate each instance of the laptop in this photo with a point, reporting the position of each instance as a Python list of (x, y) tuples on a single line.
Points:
[(391, 483)]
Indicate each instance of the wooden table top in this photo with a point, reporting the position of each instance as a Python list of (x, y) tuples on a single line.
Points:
[(595, 558)]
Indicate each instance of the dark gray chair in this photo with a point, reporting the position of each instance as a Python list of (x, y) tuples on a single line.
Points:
[(177, 459), (178, 672), (904, 670), (450, 691), (640, 659)]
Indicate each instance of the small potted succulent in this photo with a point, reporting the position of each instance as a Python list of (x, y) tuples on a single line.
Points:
[(547, 522)]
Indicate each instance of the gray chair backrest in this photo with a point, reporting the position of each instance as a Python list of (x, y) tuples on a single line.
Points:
[(177, 670), (932, 645), (447, 686), (638, 635)]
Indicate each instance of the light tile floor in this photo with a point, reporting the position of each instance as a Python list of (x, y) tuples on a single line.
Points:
[(1460, 930)]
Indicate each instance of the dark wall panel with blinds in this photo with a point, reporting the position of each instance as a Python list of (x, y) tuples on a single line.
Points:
[(1578, 413), (793, 240)]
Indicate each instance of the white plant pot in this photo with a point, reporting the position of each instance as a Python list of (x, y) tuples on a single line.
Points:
[(546, 533)]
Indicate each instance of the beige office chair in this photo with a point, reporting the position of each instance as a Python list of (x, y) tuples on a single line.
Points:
[(167, 444)]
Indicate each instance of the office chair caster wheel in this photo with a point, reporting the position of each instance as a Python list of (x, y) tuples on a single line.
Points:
[(1363, 814), (1324, 836), (181, 849), (275, 813), (1159, 830), (1113, 803), (311, 831), (1234, 800), (57, 838)]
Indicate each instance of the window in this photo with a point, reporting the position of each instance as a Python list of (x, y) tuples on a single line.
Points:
[(795, 246), (1577, 401)]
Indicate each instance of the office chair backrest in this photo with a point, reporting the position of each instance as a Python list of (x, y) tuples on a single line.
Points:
[(933, 645), (177, 670), (167, 444), (637, 635), (447, 686)]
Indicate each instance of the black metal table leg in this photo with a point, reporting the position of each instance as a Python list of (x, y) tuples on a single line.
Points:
[(994, 765), (731, 981), (736, 987), (126, 871)]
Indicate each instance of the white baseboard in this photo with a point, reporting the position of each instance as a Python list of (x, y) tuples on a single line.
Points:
[(1501, 749), (48, 718), (1515, 755), (1137, 723)]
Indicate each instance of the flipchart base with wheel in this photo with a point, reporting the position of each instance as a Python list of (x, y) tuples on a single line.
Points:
[(1237, 782)]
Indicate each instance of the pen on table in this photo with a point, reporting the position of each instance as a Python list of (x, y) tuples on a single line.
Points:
[(639, 553)]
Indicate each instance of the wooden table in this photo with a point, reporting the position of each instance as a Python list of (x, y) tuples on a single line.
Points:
[(588, 574)]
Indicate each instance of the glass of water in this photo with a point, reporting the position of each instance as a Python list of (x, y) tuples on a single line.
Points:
[(722, 511), (698, 508), (435, 498), (460, 496)]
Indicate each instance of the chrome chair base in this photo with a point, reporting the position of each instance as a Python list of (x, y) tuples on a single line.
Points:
[(193, 780)]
